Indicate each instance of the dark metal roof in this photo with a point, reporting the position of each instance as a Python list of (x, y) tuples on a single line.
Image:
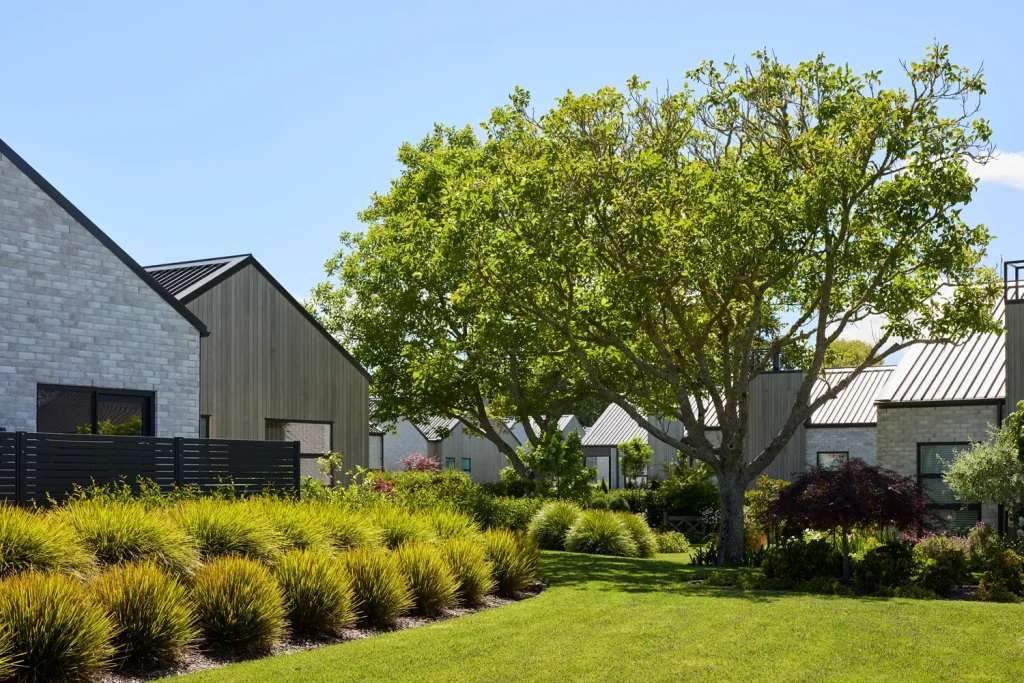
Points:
[(971, 371), (192, 278), (855, 405), (83, 220), (180, 278)]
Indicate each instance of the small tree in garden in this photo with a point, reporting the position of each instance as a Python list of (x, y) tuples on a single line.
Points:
[(561, 459), (417, 462), (634, 456), (853, 494), (991, 472)]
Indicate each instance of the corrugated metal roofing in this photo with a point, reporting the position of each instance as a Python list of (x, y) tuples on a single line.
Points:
[(972, 371), (433, 429), (613, 427), (182, 278), (856, 403)]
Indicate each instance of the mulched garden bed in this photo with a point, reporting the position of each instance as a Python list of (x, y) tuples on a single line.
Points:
[(199, 660)]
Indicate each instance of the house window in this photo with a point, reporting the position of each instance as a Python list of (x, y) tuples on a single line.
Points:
[(449, 463), (204, 426), (465, 465), (315, 438), (830, 460), (949, 513), (87, 410)]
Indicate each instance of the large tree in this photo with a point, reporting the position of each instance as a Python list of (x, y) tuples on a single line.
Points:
[(991, 472), (402, 296), (675, 243)]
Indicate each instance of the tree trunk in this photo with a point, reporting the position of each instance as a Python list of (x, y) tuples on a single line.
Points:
[(731, 541), (846, 556)]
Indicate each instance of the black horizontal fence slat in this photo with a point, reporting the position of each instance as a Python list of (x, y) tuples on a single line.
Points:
[(35, 466)]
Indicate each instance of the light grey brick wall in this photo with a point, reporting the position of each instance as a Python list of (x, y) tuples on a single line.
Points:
[(900, 430), (71, 312), (859, 442)]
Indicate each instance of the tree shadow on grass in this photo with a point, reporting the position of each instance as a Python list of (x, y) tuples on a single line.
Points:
[(630, 575)]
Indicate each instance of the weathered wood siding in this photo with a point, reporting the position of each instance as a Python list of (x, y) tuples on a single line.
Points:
[(773, 395), (265, 360), (486, 461), (1014, 354)]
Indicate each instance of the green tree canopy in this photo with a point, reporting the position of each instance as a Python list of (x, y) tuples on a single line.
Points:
[(847, 353), (990, 472)]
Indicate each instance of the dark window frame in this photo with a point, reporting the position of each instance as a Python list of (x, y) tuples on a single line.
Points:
[(308, 422), (148, 426), (208, 422), (953, 507), (846, 455), (447, 461)]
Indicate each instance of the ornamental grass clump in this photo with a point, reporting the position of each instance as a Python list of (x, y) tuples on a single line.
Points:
[(399, 526), (318, 593), (57, 633), (599, 532), (347, 529), (119, 532), (152, 614), (514, 558), (381, 589), (472, 572), (238, 604), (448, 524), (643, 537), (222, 528), (430, 578), (549, 526), (297, 524), (31, 541)]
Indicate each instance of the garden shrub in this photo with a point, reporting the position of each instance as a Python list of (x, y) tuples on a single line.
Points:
[(223, 528), (891, 564), (942, 563), (118, 532), (673, 542), (684, 491), (450, 524), (802, 560), (644, 540), (618, 504), (346, 528), (399, 526), (983, 544), (430, 578), (152, 613), (994, 592), (911, 591), (515, 560), (56, 631), (294, 522), (513, 514), (552, 522), (238, 604), (472, 572), (599, 502), (382, 592), (600, 533), (1004, 578), (318, 594), (29, 540)]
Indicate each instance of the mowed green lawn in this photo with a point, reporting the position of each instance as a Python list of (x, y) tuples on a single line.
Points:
[(610, 619)]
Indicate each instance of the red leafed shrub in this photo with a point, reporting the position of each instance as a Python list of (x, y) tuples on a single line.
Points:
[(417, 462), (382, 486)]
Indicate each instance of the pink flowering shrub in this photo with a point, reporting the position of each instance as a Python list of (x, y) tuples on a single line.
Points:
[(417, 462)]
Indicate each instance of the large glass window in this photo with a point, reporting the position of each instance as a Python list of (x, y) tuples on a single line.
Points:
[(314, 437), (830, 460), (449, 463), (949, 513), (84, 410)]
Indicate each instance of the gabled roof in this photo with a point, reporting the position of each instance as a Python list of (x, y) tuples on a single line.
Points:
[(438, 425), (613, 427), (855, 405), (970, 372), (83, 220), (189, 279)]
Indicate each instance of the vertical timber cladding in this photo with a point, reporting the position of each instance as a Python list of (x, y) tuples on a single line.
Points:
[(773, 395), (265, 360)]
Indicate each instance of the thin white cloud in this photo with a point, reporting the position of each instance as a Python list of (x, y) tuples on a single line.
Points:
[(1005, 168)]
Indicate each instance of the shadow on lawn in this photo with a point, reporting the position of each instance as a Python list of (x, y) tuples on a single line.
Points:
[(629, 575)]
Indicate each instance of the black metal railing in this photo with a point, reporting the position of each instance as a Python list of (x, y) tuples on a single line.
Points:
[(35, 467), (1013, 283)]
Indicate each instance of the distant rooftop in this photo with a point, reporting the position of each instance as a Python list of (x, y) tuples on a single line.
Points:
[(186, 277)]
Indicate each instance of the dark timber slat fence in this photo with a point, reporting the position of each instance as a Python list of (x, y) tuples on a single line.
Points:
[(34, 465)]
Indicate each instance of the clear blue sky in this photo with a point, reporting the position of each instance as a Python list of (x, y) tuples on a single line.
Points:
[(196, 129)]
